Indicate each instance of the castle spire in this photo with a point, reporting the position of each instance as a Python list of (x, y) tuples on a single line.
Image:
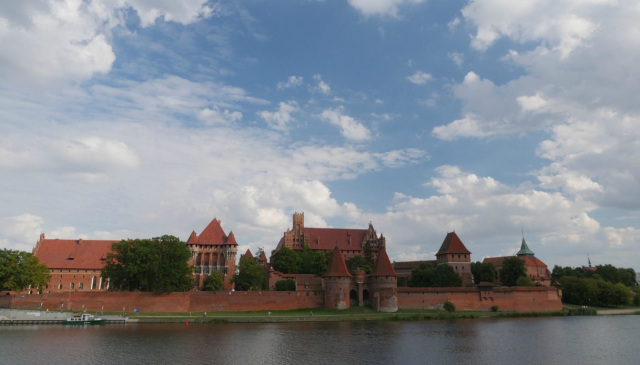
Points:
[(524, 249)]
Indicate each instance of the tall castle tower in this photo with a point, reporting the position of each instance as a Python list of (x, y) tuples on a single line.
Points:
[(337, 281), (213, 251)]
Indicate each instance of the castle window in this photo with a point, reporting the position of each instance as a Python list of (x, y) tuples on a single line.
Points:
[(60, 286), (72, 286), (80, 285)]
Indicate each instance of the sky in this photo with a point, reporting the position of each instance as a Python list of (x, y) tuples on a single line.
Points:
[(491, 118)]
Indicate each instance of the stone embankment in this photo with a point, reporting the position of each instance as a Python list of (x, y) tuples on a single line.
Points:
[(17, 316)]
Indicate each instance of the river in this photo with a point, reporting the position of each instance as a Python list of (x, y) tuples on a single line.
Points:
[(552, 340)]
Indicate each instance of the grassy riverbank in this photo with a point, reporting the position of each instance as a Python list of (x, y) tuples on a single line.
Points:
[(323, 314)]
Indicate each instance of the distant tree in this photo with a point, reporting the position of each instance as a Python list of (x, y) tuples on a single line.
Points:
[(512, 269), (482, 271), (286, 285), (213, 282), (422, 275), (250, 276), (524, 281), (20, 270), (152, 265), (444, 276), (359, 262), (579, 291), (609, 273), (449, 307), (287, 261), (320, 262)]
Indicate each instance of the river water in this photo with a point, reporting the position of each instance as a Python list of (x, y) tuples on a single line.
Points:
[(553, 340)]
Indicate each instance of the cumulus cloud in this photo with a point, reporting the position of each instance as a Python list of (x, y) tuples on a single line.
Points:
[(292, 81), (380, 7), (321, 86), (216, 116), (281, 118), (53, 41), (420, 77), (350, 128), (488, 216)]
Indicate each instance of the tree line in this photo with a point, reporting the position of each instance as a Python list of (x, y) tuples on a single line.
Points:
[(604, 285)]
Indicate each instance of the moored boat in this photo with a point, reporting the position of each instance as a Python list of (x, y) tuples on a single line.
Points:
[(84, 318)]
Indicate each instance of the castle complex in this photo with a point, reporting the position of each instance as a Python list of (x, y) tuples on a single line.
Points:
[(75, 267)]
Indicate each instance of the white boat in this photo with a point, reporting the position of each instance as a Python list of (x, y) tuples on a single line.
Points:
[(84, 318)]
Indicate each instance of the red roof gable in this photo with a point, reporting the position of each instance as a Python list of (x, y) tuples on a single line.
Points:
[(73, 254), (212, 235), (248, 254), (383, 265), (337, 266), (452, 244)]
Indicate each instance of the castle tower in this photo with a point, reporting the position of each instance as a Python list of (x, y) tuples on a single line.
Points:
[(454, 253), (337, 281), (211, 251), (383, 283)]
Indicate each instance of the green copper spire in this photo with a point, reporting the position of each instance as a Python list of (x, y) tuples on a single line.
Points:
[(524, 249)]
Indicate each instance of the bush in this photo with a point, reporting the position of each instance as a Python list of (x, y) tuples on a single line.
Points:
[(494, 308), (286, 285), (449, 307)]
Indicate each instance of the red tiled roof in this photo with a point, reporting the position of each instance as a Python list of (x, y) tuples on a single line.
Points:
[(73, 254), (263, 257), (212, 235), (452, 244), (248, 254), (528, 260), (328, 238), (337, 266), (383, 265)]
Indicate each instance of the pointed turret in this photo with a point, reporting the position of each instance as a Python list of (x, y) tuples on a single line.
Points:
[(383, 265), (193, 238), (337, 266), (248, 254), (231, 240), (524, 249)]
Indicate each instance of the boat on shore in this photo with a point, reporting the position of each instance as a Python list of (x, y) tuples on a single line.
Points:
[(84, 318)]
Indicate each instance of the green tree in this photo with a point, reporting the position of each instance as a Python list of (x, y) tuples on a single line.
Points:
[(422, 275), (320, 263), (524, 281), (213, 282), (153, 265), (449, 307), (250, 276), (286, 285), (20, 270), (287, 261), (512, 269), (444, 276), (482, 271), (359, 262)]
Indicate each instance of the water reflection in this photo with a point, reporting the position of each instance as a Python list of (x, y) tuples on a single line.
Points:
[(524, 341)]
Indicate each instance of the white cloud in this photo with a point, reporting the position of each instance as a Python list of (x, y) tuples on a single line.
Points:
[(456, 57), (50, 42), (321, 86), (420, 77), (292, 81), (380, 7), (350, 128), (215, 116), (281, 118)]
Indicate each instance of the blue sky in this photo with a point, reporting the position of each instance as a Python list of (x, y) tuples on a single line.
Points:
[(137, 118)]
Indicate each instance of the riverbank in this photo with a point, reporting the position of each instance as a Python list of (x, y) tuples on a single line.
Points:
[(316, 315)]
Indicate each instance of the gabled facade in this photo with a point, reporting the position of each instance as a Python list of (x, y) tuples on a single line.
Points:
[(211, 251), (74, 265), (352, 242), (454, 253)]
